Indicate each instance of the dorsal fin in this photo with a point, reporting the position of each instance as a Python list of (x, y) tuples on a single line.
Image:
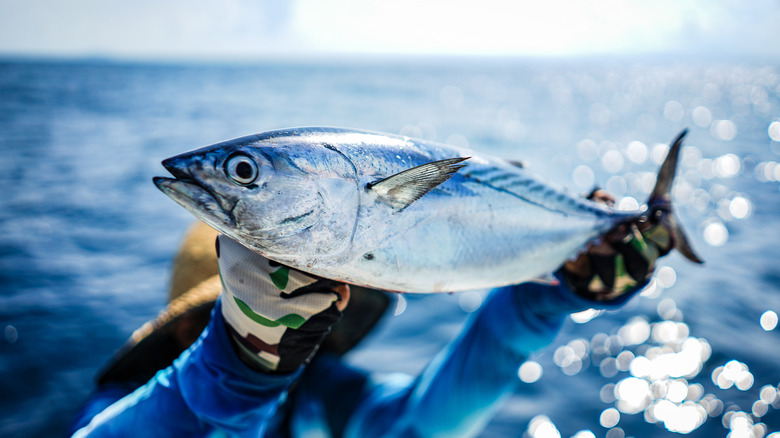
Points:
[(403, 188)]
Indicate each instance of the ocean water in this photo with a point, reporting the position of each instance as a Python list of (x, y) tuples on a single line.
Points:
[(86, 240)]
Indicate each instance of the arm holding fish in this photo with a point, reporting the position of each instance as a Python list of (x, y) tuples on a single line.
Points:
[(207, 388), (267, 323), (277, 316), (463, 387)]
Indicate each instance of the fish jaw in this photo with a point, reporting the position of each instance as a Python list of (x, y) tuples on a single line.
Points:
[(188, 190), (198, 201)]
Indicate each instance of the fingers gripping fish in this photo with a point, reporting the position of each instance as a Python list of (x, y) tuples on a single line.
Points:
[(395, 213)]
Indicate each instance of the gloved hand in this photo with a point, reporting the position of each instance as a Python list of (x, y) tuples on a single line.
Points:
[(277, 316), (621, 261)]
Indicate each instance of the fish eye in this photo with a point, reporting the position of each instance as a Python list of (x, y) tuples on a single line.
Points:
[(241, 169)]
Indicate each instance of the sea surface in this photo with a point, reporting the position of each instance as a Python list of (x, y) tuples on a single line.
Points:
[(86, 240)]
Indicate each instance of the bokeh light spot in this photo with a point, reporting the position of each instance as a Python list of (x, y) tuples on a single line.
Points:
[(530, 371), (702, 116), (666, 277), (673, 111), (612, 161), (768, 320), (609, 418), (724, 130), (11, 334), (607, 393), (470, 301), (726, 166), (677, 391), (659, 153), (733, 373), (617, 185), (740, 207), (400, 305), (541, 427), (636, 331), (667, 308), (633, 395), (587, 150), (774, 131), (759, 408), (769, 394), (585, 315), (608, 367), (583, 176), (636, 151), (715, 233)]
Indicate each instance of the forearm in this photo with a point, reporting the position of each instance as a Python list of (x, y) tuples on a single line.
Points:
[(463, 386), (459, 392), (206, 388)]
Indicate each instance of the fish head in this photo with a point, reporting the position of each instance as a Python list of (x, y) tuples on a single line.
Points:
[(282, 199)]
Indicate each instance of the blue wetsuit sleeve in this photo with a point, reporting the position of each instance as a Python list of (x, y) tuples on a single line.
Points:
[(460, 390), (206, 389)]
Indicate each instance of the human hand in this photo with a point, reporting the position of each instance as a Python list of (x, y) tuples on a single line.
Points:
[(619, 262), (277, 316)]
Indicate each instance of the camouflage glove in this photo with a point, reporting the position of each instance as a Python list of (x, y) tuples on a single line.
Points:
[(622, 261), (277, 316)]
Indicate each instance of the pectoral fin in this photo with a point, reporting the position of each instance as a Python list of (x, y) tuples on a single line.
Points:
[(403, 188)]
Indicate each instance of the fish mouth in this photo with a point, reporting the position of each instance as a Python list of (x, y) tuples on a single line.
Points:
[(196, 199)]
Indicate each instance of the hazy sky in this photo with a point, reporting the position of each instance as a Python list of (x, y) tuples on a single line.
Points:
[(241, 29)]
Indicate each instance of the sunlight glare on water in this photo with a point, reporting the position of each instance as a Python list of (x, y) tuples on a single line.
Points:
[(733, 374), (702, 116), (400, 305), (666, 276), (583, 177), (585, 315), (541, 427), (768, 320), (726, 166), (637, 152), (715, 233), (740, 207), (774, 131), (612, 161), (723, 130), (530, 371), (609, 418)]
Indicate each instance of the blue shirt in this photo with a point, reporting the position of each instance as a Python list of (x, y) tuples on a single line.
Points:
[(208, 391)]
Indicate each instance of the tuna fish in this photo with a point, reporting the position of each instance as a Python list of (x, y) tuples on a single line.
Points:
[(395, 213)]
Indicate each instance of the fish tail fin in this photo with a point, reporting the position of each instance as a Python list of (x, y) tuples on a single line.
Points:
[(660, 201)]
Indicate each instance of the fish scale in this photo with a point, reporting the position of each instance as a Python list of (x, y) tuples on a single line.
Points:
[(391, 212)]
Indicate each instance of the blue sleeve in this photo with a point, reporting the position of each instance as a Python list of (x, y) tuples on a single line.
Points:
[(206, 389), (460, 390)]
